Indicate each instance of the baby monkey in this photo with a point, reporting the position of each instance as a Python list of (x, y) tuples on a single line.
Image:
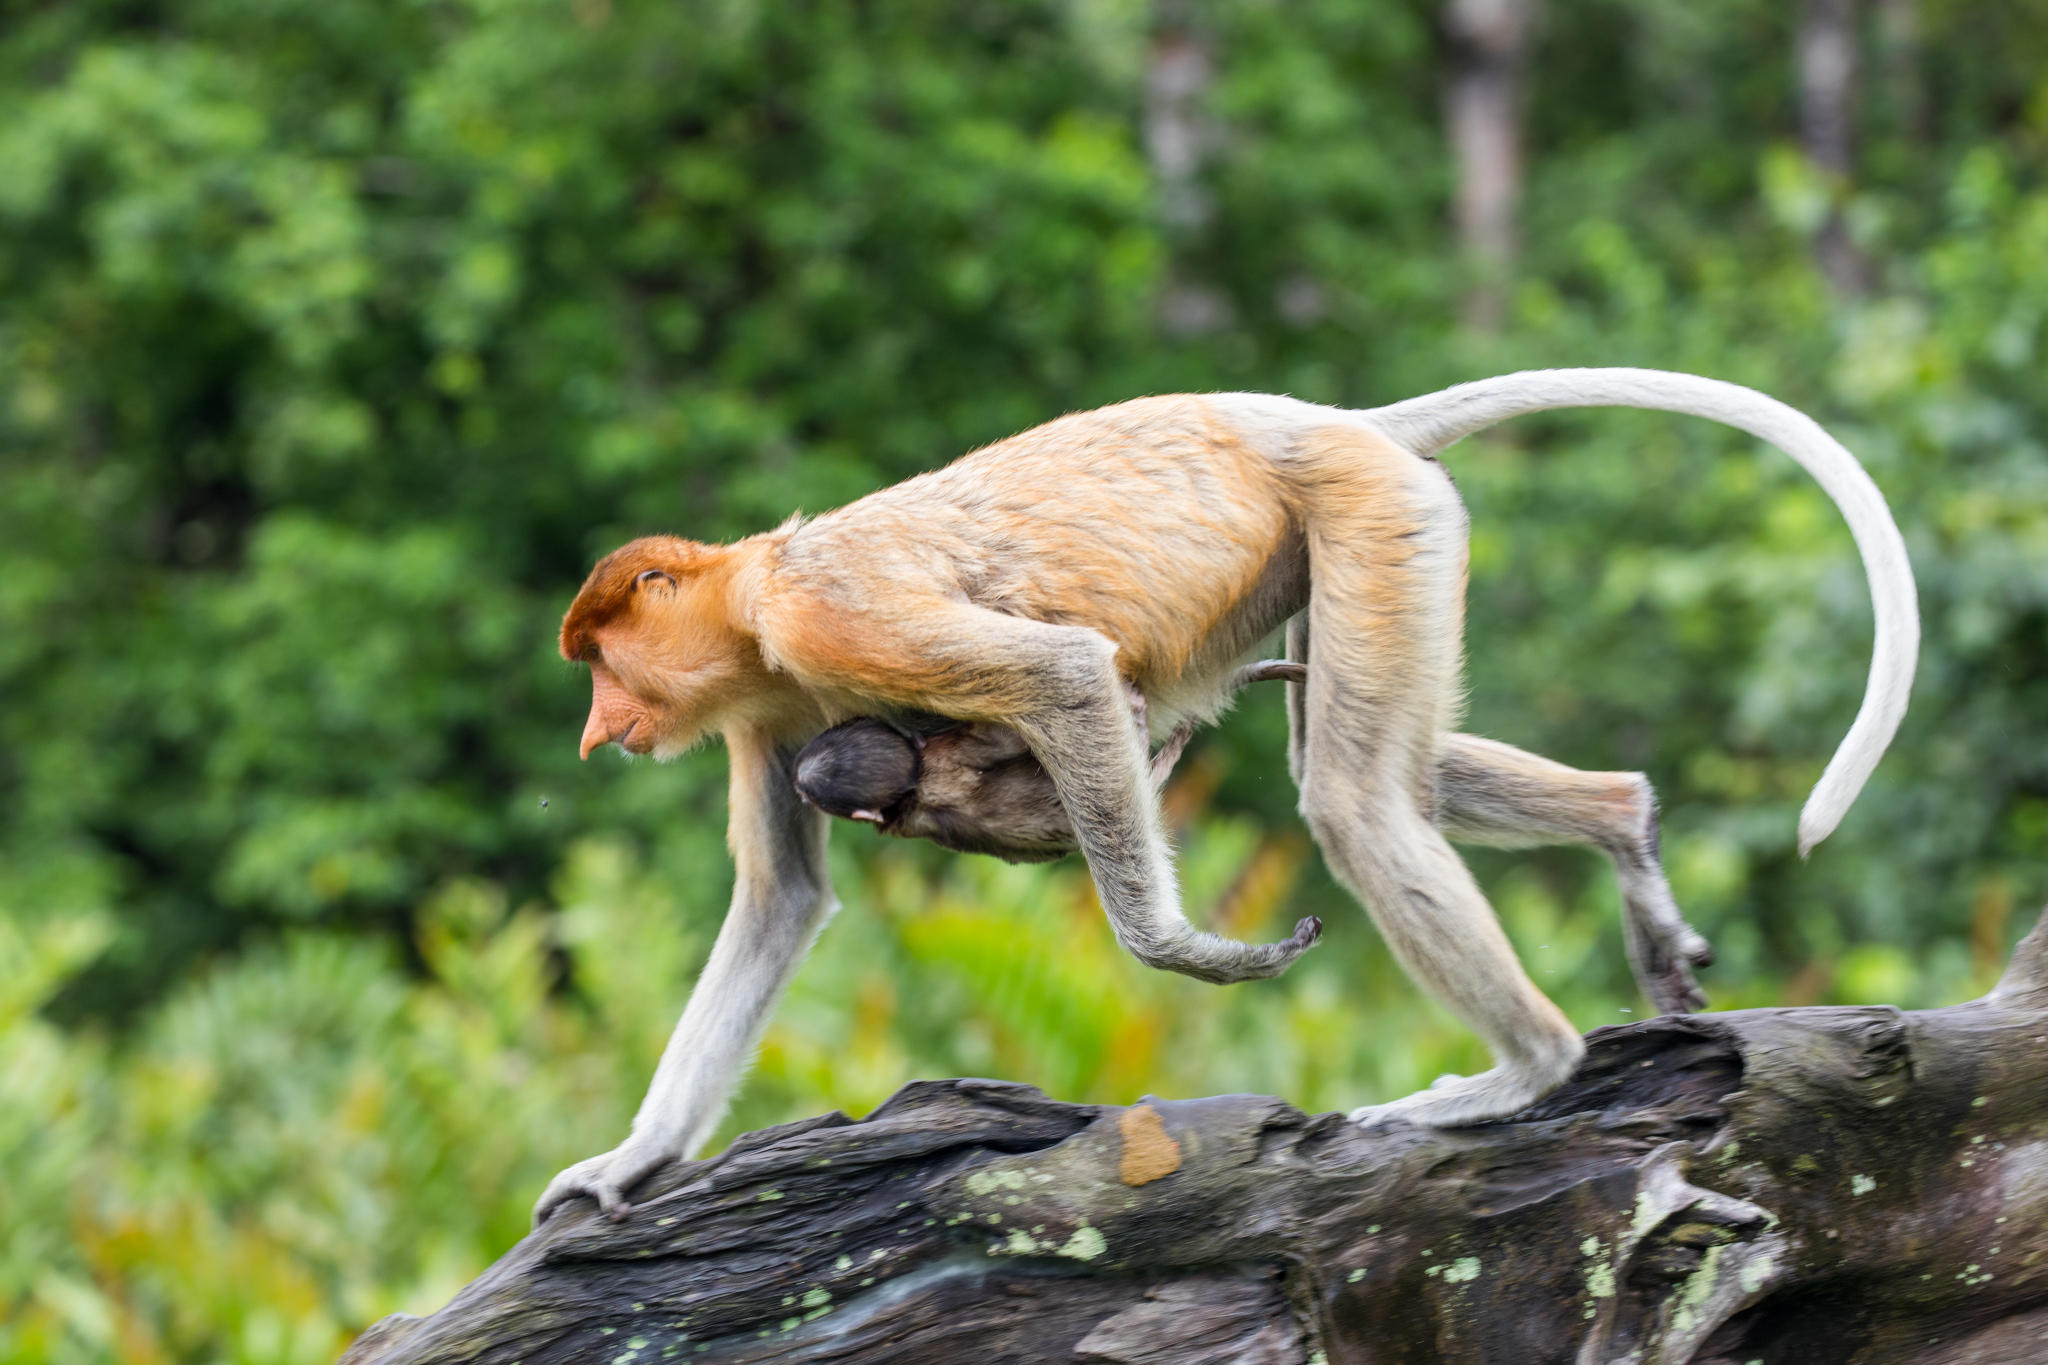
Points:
[(974, 787), (971, 786)]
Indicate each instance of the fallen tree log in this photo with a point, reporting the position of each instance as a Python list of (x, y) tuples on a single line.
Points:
[(1791, 1186)]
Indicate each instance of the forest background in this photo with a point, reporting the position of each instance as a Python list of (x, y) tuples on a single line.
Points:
[(338, 338)]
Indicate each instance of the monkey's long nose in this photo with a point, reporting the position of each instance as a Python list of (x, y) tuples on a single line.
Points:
[(596, 733)]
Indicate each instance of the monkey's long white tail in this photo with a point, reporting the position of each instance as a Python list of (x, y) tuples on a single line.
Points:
[(1426, 425)]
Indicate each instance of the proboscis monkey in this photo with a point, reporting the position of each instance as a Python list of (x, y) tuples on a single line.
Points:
[(1143, 551)]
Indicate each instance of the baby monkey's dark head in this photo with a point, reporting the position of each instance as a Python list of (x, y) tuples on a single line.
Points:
[(861, 770)]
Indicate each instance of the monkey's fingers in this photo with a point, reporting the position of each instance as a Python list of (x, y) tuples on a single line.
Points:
[(604, 1178), (1672, 988), (580, 1180), (1170, 752), (1265, 670), (606, 1193), (1270, 670), (1663, 964), (1276, 958), (1223, 962)]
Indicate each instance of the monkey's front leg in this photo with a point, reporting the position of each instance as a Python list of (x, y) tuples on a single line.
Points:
[(1096, 758), (780, 900)]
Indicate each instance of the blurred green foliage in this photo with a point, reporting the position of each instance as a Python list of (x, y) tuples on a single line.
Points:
[(337, 339)]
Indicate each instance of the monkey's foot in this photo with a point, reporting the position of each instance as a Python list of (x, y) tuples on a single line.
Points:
[(1662, 951), (1222, 961), (1455, 1101), (604, 1178), (1665, 973)]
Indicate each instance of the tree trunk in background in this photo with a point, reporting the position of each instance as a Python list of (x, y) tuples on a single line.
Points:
[(1787, 1186), (1177, 75), (1178, 136), (1490, 41), (1898, 36), (1827, 120)]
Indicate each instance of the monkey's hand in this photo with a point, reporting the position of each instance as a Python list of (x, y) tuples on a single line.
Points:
[(1222, 961), (605, 1178)]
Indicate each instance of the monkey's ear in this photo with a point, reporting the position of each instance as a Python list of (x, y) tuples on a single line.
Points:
[(654, 578)]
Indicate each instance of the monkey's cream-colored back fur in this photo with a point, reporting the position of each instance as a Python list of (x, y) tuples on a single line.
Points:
[(1150, 547), (1154, 523)]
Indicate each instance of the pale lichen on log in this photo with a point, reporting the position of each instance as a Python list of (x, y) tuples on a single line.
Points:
[(1792, 1186)]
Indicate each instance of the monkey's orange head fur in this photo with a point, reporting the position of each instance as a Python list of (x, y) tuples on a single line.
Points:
[(656, 623), (612, 589)]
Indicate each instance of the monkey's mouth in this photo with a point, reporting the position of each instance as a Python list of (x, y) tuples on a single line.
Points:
[(626, 741)]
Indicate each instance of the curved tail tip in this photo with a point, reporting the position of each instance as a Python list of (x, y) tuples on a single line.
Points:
[(1814, 826)]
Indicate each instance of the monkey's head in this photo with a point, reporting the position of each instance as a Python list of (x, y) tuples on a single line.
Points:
[(861, 770), (668, 660)]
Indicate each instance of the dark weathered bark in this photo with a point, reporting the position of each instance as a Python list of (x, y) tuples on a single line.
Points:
[(1805, 1186)]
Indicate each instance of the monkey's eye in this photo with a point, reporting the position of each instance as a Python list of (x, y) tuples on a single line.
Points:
[(591, 654), (650, 576)]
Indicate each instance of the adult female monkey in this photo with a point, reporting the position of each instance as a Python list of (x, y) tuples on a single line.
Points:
[(1145, 549)]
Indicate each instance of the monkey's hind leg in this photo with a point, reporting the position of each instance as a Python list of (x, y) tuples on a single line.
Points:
[(1493, 793), (1387, 558)]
